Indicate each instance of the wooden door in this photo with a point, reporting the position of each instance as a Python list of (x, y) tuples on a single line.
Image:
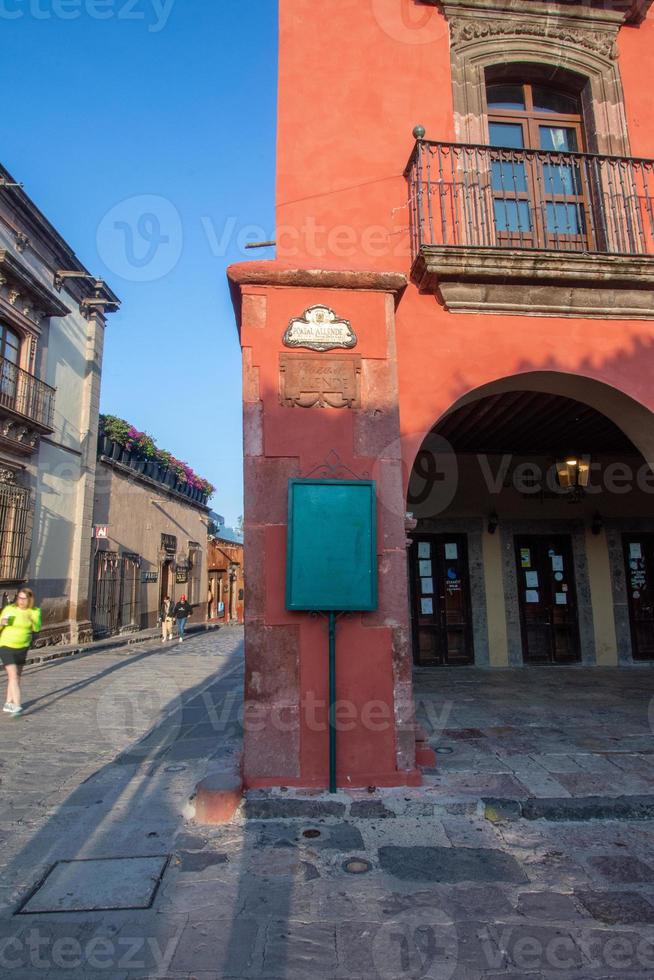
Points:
[(547, 598), (440, 597), (639, 573)]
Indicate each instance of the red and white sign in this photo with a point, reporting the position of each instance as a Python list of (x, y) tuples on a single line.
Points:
[(101, 531)]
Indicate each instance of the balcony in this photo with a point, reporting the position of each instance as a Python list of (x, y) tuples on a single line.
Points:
[(506, 230), (23, 394)]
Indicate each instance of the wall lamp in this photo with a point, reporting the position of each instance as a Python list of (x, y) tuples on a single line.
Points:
[(493, 523), (573, 472)]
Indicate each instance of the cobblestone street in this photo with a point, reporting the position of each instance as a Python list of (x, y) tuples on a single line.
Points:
[(105, 875)]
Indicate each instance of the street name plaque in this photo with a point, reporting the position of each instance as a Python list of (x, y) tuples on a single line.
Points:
[(320, 329)]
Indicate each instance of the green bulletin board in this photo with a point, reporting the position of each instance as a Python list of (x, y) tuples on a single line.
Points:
[(331, 562)]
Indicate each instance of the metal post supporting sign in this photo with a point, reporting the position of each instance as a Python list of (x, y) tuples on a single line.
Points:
[(331, 564)]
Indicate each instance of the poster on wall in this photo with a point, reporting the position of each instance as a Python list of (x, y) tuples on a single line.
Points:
[(531, 580), (425, 569), (635, 550), (427, 607), (451, 551), (525, 557), (424, 549), (557, 563), (531, 595), (427, 586)]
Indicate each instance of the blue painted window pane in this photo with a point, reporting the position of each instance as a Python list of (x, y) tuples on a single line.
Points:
[(506, 134), (558, 138), (512, 215), (561, 179), (508, 176), (549, 100), (565, 219), (505, 97)]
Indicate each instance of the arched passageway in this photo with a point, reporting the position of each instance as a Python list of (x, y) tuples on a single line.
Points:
[(534, 540)]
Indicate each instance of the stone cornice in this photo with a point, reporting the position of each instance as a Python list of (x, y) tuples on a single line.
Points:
[(26, 284), (276, 274), (497, 280), (613, 13)]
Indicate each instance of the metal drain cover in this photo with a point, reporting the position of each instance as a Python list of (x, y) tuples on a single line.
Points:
[(97, 885)]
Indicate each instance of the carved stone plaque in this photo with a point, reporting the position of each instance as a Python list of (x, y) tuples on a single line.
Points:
[(319, 329), (323, 381)]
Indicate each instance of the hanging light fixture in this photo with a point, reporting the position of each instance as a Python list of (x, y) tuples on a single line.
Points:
[(573, 473)]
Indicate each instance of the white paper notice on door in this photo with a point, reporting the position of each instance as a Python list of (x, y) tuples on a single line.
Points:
[(532, 580), (531, 595), (562, 598), (451, 551), (425, 568), (426, 606), (427, 586), (635, 550), (557, 563), (424, 549)]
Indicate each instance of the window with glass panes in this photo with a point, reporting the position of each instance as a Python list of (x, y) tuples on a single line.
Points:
[(9, 362), (539, 198)]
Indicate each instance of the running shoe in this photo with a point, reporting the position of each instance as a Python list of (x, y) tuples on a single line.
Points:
[(8, 707), (16, 710)]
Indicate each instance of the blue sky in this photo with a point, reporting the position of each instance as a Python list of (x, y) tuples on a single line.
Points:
[(145, 131)]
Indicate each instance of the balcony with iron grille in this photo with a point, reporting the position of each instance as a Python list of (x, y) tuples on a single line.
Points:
[(502, 230), (26, 407)]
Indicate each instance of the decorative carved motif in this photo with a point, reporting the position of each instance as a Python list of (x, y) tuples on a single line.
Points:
[(465, 31), (333, 468), (332, 381), (22, 241), (319, 329), (13, 296), (7, 476), (24, 437)]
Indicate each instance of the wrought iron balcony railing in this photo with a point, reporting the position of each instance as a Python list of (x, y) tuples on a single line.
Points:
[(23, 393), (490, 197)]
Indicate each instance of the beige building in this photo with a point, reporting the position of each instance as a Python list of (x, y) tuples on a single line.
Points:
[(52, 319), (152, 542)]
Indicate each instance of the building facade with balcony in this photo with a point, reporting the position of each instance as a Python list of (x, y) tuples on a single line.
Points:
[(474, 330), (52, 320)]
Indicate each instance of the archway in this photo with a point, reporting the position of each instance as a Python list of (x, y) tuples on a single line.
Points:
[(534, 540)]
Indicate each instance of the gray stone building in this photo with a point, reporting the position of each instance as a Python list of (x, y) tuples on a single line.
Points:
[(52, 320)]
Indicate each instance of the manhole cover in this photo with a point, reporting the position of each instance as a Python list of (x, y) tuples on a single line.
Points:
[(356, 866), (97, 885), (311, 833)]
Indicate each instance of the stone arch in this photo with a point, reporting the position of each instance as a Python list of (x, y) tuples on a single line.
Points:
[(635, 419), (582, 43)]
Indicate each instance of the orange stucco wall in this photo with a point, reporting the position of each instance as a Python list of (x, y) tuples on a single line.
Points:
[(346, 114), (355, 77)]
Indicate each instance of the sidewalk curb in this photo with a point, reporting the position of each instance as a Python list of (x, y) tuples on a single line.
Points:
[(573, 808), (99, 646)]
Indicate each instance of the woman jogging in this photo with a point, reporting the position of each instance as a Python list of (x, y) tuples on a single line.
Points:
[(18, 622)]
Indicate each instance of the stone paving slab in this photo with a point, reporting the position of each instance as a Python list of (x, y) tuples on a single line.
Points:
[(110, 749)]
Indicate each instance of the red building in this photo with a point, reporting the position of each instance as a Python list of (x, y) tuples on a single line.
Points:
[(465, 230)]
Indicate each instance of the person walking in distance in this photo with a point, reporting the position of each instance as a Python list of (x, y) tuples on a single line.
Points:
[(182, 612), (19, 622), (167, 619)]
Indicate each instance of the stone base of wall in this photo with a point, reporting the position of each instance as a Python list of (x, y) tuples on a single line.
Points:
[(61, 634)]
